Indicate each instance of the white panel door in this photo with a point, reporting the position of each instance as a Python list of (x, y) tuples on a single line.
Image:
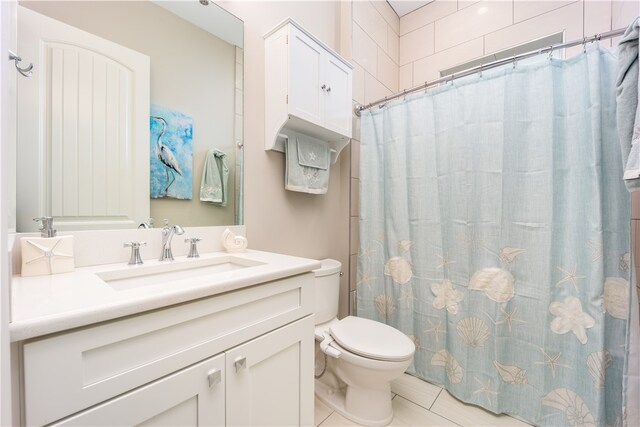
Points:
[(337, 96), (270, 379), (306, 98), (83, 128), (194, 396)]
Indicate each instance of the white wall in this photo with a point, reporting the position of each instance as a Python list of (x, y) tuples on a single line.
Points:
[(314, 226), (445, 33), (7, 176)]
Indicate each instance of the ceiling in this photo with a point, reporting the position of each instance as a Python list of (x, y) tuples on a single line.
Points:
[(402, 7)]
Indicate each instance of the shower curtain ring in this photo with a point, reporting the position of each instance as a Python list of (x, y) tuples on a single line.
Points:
[(551, 53), (515, 62), (584, 45), (426, 85), (404, 95), (381, 106), (480, 71)]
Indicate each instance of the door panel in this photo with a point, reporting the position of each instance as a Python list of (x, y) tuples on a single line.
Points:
[(274, 385), (83, 128), (186, 398), (305, 96), (338, 98)]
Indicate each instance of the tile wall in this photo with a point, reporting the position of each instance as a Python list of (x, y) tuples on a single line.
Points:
[(390, 54), (375, 43)]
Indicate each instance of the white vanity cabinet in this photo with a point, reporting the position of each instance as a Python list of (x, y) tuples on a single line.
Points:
[(308, 88), (239, 358)]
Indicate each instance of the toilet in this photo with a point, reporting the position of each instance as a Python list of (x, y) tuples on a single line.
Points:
[(356, 358)]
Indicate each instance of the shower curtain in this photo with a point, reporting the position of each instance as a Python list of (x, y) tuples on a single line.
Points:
[(495, 233)]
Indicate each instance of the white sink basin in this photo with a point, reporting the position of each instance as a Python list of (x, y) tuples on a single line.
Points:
[(140, 276)]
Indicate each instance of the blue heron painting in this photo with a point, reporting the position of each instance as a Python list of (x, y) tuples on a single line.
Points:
[(171, 154)]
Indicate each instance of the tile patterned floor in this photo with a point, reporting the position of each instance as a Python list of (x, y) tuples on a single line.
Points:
[(419, 403)]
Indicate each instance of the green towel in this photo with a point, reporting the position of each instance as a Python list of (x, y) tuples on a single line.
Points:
[(215, 178), (628, 113), (308, 164)]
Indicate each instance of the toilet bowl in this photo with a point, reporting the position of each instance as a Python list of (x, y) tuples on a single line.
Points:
[(356, 358)]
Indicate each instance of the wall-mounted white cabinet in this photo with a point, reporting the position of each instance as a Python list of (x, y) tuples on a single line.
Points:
[(241, 358), (308, 89)]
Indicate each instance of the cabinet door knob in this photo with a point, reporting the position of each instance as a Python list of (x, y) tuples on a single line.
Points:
[(240, 363), (323, 87), (328, 89), (215, 377)]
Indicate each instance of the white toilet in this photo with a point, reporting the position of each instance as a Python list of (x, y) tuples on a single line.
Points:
[(356, 358)]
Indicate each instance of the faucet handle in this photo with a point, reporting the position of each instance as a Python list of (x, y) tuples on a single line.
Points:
[(47, 226), (193, 249), (135, 252)]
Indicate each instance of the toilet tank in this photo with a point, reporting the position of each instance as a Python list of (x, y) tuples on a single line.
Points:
[(327, 290)]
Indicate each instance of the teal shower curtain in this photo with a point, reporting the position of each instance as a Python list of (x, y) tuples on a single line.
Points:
[(495, 233)]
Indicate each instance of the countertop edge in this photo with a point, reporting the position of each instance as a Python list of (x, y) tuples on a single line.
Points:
[(45, 325)]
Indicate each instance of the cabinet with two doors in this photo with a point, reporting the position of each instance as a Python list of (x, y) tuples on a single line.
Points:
[(240, 358), (308, 88)]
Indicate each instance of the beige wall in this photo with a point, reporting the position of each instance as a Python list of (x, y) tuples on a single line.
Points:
[(314, 226), (192, 71)]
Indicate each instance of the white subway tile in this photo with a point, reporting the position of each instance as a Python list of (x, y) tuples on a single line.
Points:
[(358, 83), (624, 12), (416, 44), (393, 44), (568, 18), (406, 76), (353, 268), (355, 151), (387, 71), (472, 22), (371, 21), (354, 196), (429, 68), (635, 207), (355, 235), (597, 17), (365, 50), (525, 9), (388, 14), (635, 241), (426, 14), (373, 89), (466, 3)]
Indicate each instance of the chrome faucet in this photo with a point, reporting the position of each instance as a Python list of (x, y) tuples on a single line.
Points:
[(167, 234)]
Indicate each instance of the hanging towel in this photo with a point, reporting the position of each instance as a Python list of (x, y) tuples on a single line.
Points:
[(215, 178), (307, 165), (628, 113)]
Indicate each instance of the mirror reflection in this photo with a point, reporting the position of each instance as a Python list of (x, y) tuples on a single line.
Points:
[(134, 111)]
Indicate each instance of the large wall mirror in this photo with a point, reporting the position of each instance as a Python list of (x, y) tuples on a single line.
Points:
[(134, 111)]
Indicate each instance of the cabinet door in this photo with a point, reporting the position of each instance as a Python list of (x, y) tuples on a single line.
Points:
[(337, 95), (270, 379), (305, 70), (191, 397)]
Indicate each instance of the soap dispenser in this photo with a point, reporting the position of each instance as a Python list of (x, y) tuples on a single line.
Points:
[(47, 254)]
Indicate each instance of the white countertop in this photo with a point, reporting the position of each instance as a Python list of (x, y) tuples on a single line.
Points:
[(53, 303)]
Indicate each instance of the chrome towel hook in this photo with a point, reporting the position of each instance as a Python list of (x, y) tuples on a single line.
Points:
[(24, 71)]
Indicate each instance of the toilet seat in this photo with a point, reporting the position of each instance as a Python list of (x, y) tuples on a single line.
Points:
[(372, 339)]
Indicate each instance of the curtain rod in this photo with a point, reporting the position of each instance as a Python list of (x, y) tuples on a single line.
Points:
[(479, 68)]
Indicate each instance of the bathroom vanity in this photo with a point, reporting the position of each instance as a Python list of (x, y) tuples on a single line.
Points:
[(224, 339)]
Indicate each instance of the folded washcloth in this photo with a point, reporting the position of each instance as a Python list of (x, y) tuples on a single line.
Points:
[(308, 163), (628, 113), (215, 178)]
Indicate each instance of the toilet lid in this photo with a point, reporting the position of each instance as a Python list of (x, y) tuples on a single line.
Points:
[(372, 339)]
